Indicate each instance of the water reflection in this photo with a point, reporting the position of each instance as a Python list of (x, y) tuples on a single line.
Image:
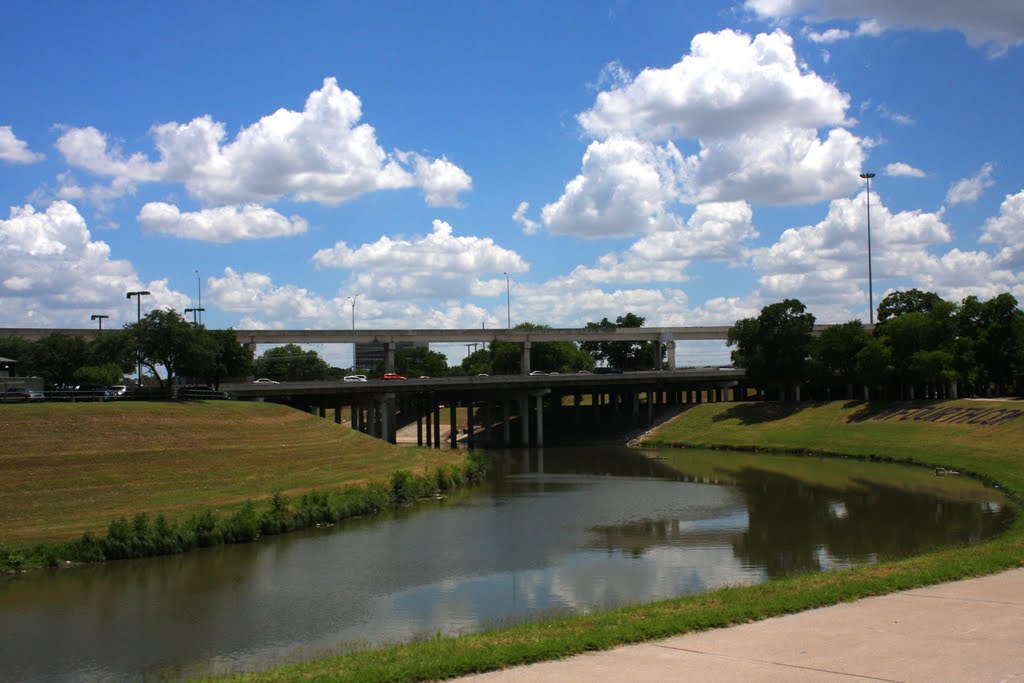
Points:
[(558, 530)]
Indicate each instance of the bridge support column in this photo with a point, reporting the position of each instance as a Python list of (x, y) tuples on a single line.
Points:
[(427, 414), (671, 355), (576, 400), (353, 417), (650, 407), (658, 353), (453, 433), (389, 357), (540, 420), (470, 426), (524, 420), (436, 408), (419, 421), (337, 415), (488, 423), (524, 363), (506, 404)]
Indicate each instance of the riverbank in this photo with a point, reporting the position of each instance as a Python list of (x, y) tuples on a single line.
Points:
[(68, 469), (961, 436)]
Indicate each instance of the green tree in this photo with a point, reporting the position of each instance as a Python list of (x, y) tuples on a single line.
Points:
[(478, 362), (56, 357), (166, 340), (995, 329), (836, 349), (774, 347), (626, 355), (909, 301), (291, 362), (420, 360)]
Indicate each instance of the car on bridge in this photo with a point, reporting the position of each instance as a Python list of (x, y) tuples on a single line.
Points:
[(264, 380), (354, 378), (392, 376)]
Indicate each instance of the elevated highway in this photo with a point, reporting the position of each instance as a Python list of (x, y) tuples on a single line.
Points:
[(493, 404)]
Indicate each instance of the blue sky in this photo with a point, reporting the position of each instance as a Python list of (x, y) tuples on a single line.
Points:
[(689, 162)]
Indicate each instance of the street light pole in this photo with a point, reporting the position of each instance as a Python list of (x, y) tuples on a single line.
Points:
[(199, 285), (508, 302), (871, 296), (353, 298), (138, 300), (194, 311), (99, 318)]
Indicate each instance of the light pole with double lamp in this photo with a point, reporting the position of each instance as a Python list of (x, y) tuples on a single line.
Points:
[(871, 296), (194, 311), (138, 299)]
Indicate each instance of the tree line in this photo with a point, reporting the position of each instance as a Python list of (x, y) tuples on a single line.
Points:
[(921, 346), (161, 340)]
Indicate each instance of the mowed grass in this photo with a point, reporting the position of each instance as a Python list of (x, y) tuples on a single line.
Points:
[(70, 468), (994, 452)]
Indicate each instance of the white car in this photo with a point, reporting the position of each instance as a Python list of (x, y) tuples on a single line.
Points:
[(354, 378), (264, 380)]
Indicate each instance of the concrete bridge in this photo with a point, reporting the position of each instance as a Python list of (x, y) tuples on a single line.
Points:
[(665, 337), (494, 404)]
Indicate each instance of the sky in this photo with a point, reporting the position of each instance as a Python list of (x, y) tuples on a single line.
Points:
[(454, 164)]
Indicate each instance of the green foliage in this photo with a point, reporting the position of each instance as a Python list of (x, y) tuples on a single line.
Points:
[(164, 339), (420, 360), (774, 347), (291, 362), (107, 374), (625, 355)]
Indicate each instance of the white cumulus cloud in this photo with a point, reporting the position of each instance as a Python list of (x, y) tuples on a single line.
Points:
[(729, 83), (768, 131), (55, 274), (221, 224), (970, 189), (322, 154), (901, 169), (15, 151), (439, 264)]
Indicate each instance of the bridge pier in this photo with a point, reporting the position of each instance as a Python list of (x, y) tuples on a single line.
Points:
[(389, 357), (540, 420), (524, 363), (506, 412), (453, 435)]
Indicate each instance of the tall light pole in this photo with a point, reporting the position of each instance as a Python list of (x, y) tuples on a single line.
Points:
[(138, 300), (199, 286), (871, 295), (99, 318), (194, 311), (353, 298), (508, 302)]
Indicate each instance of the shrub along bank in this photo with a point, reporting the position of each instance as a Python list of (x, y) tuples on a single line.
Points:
[(985, 444)]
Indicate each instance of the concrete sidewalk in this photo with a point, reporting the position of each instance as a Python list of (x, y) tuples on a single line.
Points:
[(964, 631)]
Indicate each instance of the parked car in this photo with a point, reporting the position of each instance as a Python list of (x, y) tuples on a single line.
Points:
[(93, 392), (118, 389), (537, 373), (264, 380), (22, 395), (354, 378), (392, 376), (583, 372)]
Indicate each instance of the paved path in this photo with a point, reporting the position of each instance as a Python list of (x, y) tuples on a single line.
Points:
[(964, 631)]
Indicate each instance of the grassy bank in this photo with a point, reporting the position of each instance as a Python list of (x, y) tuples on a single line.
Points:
[(66, 469), (960, 438)]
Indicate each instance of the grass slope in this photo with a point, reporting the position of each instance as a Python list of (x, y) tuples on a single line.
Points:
[(991, 451), (70, 468)]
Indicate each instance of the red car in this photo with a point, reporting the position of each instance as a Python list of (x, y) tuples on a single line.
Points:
[(391, 375)]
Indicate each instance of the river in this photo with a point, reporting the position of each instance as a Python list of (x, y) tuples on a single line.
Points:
[(553, 531)]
